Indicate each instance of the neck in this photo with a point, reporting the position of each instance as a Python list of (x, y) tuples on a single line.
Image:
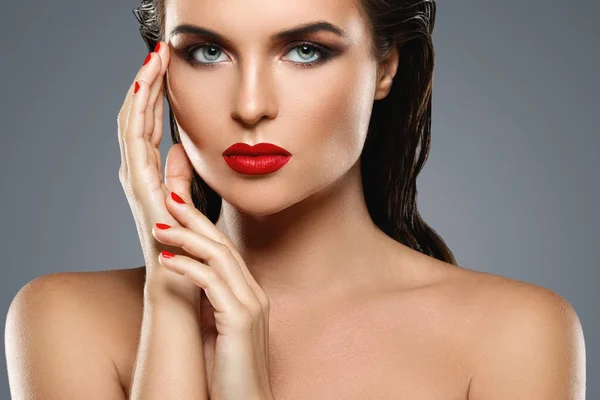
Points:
[(325, 245)]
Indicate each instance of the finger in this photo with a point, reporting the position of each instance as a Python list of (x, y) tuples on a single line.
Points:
[(161, 54), (189, 216), (156, 135), (215, 254), (159, 166), (134, 145), (179, 172), (147, 74), (121, 121), (142, 74), (150, 73), (217, 291)]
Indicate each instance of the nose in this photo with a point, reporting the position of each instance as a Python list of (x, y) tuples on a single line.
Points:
[(254, 96)]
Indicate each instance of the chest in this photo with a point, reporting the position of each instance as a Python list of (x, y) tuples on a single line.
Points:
[(367, 354), (375, 351)]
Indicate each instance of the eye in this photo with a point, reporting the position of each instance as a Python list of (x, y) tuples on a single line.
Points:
[(211, 53), (306, 52)]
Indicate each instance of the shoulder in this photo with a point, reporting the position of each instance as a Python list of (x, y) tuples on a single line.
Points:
[(497, 302), (94, 295), (66, 323), (94, 302), (508, 305), (527, 340)]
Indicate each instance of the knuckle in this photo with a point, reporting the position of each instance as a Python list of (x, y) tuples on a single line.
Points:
[(222, 238), (223, 251), (142, 81), (124, 176), (211, 276), (120, 124), (150, 106)]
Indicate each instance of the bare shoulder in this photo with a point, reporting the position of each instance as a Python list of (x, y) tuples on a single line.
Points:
[(109, 303), (502, 307), (74, 324), (526, 340), (503, 301), (101, 297), (504, 296)]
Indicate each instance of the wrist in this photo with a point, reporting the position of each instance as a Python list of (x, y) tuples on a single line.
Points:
[(163, 285)]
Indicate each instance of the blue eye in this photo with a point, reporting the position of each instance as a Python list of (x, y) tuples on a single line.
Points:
[(207, 51), (211, 53)]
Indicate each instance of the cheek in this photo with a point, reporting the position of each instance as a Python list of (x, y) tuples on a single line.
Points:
[(198, 110), (196, 99), (336, 115)]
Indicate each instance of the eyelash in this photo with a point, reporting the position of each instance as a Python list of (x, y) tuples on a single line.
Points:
[(325, 54)]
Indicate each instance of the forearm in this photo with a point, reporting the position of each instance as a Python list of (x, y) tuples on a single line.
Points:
[(170, 361)]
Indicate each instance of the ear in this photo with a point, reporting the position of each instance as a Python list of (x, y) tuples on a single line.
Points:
[(386, 72)]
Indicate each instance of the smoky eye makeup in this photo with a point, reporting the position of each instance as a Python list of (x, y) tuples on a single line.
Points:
[(196, 50)]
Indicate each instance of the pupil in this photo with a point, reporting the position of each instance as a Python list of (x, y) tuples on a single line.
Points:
[(211, 51), (306, 49)]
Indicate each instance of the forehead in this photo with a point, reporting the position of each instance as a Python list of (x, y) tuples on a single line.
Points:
[(259, 19)]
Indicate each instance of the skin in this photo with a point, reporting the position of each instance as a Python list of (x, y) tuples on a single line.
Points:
[(285, 225), (354, 314)]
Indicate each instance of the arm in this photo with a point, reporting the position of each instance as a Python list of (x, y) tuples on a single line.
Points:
[(534, 350), (52, 346), (170, 361)]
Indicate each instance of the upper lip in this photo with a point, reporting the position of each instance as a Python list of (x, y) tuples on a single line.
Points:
[(257, 149)]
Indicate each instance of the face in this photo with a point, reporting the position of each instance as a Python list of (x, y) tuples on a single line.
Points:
[(313, 101)]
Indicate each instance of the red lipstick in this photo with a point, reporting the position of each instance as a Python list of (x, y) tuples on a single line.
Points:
[(262, 158)]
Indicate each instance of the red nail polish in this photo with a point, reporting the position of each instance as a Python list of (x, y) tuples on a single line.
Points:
[(147, 58), (162, 226), (177, 198), (136, 88), (166, 254), (157, 47)]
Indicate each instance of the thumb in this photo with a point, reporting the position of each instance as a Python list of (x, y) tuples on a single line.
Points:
[(179, 172)]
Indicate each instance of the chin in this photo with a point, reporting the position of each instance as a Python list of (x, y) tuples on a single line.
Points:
[(259, 206), (255, 197)]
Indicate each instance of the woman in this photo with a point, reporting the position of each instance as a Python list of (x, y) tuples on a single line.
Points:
[(305, 274)]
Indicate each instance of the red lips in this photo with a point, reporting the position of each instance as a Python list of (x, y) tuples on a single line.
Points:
[(256, 150)]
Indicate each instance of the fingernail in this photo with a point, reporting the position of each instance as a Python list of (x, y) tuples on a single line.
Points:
[(166, 254), (136, 88), (177, 198), (147, 58), (157, 47), (162, 226)]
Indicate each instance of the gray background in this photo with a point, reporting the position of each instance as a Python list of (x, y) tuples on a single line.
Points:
[(511, 182)]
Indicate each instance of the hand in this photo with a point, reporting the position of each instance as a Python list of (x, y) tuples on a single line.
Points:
[(235, 311), (140, 130)]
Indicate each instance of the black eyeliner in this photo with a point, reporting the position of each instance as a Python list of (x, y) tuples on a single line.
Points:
[(325, 54)]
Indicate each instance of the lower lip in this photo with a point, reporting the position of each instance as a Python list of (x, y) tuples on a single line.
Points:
[(256, 165)]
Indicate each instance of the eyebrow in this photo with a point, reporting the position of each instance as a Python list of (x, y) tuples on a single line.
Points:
[(300, 30)]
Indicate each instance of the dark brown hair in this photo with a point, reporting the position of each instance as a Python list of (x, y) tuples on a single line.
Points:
[(399, 135)]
